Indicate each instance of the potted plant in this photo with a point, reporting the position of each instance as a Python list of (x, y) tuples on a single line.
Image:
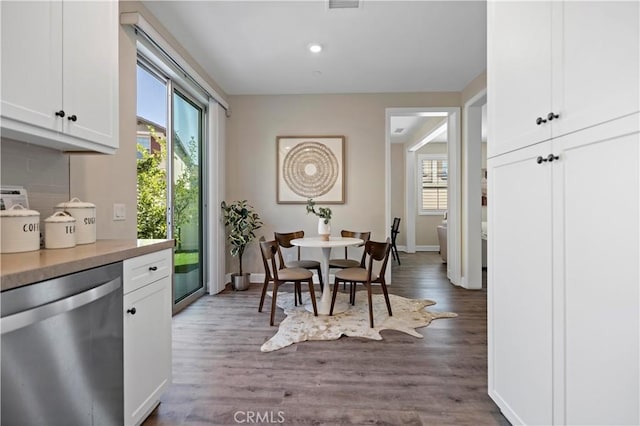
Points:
[(324, 218), (241, 221)]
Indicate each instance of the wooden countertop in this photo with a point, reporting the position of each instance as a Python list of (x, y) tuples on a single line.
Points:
[(18, 269)]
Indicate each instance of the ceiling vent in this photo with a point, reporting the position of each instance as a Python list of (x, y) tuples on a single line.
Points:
[(398, 130), (343, 4)]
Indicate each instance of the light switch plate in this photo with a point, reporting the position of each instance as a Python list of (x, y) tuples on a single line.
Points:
[(119, 212)]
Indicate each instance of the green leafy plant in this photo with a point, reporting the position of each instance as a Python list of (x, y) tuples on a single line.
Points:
[(152, 190), (322, 212), (241, 222)]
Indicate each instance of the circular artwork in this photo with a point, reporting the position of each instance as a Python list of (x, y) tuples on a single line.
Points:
[(310, 169)]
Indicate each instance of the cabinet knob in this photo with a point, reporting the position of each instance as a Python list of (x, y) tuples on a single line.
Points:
[(552, 157), (541, 160), (131, 311), (551, 116), (60, 113), (153, 268), (73, 118), (540, 120)]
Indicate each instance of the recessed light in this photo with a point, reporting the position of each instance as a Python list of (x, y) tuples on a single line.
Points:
[(315, 48)]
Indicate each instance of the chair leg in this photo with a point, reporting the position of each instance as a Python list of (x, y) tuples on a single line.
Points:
[(370, 305), (394, 250), (313, 297), (273, 302), (297, 293), (320, 279), (336, 284), (386, 297), (264, 293), (352, 293)]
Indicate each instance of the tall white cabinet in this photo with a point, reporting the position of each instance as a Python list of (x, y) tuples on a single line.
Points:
[(60, 74), (563, 290)]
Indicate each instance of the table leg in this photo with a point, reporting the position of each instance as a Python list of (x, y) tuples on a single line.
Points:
[(324, 306)]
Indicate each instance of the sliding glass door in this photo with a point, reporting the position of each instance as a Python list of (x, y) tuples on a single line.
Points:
[(186, 177), (170, 175)]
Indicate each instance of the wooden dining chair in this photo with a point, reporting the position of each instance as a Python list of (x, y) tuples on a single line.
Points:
[(395, 230), (284, 241), (279, 276), (343, 263), (376, 252)]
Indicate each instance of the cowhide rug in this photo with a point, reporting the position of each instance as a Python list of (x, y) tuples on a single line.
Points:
[(300, 325)]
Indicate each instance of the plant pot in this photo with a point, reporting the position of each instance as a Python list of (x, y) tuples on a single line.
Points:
[(324, 229), (240, 282)]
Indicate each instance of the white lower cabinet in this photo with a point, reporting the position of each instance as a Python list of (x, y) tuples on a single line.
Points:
[(563, 290), (147, 333)]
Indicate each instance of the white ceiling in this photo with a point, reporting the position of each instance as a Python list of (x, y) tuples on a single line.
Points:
[(260, 47)]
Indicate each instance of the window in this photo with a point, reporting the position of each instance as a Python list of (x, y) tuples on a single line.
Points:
[(432, 185)]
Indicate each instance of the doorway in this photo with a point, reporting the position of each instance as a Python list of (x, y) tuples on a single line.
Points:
[(418, 181)]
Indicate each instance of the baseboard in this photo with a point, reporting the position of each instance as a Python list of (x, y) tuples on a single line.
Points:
[(420, 248)]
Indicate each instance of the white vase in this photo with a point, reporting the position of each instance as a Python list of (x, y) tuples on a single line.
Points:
[(324, 229)]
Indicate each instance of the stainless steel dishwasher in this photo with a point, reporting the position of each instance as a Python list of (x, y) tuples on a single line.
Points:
[(61, 350)]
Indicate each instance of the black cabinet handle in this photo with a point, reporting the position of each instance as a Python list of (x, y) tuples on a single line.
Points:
[(540, 120), (73, 118), (541, 160), (551, 116), (552, 157), (60, 113), (153, 268), (131, 311)]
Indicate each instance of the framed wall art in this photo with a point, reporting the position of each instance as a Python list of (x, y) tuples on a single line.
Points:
[(310, 167)]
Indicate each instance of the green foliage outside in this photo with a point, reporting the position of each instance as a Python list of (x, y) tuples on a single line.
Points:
[(152, 190)]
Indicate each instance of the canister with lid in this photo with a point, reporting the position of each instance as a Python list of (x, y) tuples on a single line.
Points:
[(85, 215), (20, 229), (60, 231)]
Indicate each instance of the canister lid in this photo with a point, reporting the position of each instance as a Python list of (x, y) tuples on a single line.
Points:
[(18, 210), (75, 203), (60, 217)]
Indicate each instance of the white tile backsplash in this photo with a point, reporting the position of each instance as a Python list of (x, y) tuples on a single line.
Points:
[(43, 172)]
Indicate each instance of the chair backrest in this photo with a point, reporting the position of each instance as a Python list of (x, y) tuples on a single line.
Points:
[(395, 227), (284, 240), (379, 252), (364, 236), (268, 249)]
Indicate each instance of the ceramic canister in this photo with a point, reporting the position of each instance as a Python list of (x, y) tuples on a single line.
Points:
[(85, 215), (20, 229), (60, 231)]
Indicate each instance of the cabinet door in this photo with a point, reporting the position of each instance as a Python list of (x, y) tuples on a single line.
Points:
[(520, 285), (518, 73), (90, 62), (32, 63), (598, 172), (597, 75), (147, 348)]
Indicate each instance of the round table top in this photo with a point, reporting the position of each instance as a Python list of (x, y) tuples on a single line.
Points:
[(333, 242)]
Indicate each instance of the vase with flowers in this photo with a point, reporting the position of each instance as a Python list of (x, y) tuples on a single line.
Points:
[(324, 219)]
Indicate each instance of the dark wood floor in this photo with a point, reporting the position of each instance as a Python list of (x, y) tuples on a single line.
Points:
[(221, 377)]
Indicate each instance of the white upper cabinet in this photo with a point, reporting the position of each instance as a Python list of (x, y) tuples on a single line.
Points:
[(519, 74), (60, 74), (597, 76), (557, 67)]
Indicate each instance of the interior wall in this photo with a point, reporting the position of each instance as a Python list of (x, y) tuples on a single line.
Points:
[(251, 157), (397, 188)]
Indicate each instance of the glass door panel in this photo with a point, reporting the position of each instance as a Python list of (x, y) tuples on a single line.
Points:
[(186, 178)]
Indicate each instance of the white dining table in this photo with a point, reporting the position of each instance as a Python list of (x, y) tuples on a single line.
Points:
[(324, 306)]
